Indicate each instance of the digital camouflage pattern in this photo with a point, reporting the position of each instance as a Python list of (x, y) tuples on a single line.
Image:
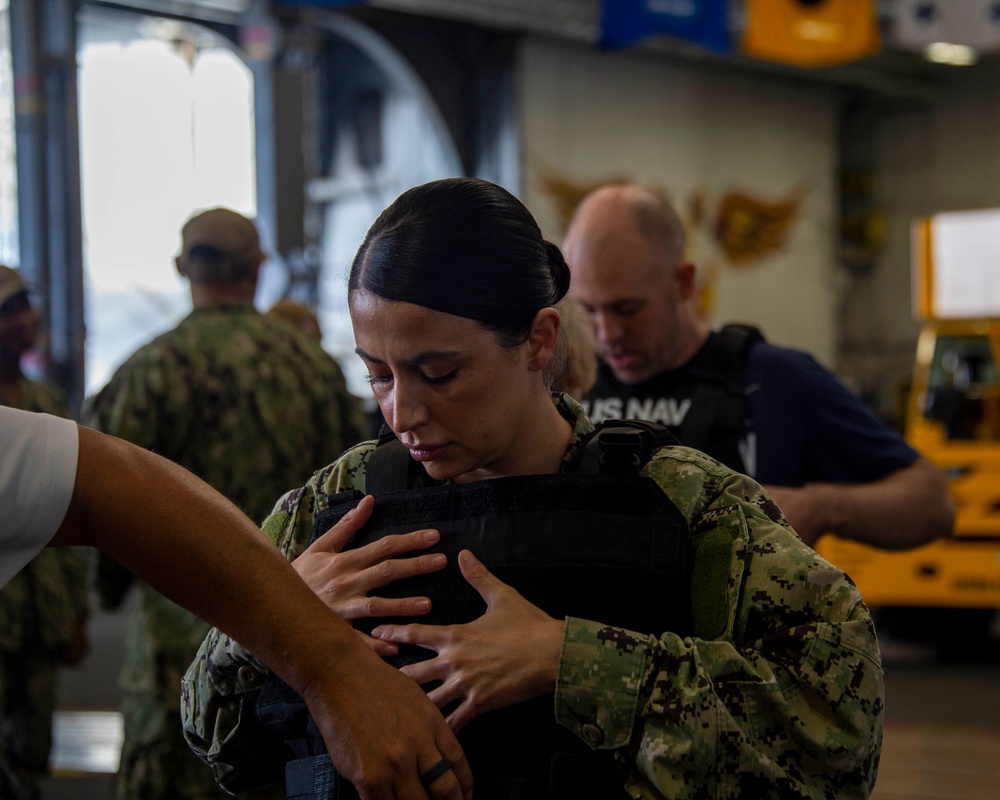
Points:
[(42, 611), (251, 406), (778, 695)]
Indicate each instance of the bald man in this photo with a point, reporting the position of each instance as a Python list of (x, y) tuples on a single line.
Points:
[(771, 412)]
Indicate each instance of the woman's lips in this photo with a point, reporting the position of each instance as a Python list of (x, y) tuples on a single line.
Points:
[(426, 452)]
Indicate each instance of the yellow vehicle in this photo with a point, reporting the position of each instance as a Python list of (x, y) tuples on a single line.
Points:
[(953, 418)]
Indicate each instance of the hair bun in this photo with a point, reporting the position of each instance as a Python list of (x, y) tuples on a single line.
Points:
[(559, 270)]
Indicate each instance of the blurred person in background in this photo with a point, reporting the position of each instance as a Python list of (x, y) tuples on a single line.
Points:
[(573, 368), (298, 315), (771, 412), (304, 319), (248, 404), (44, 608)]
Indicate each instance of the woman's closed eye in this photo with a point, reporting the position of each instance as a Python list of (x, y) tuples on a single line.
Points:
[(440, 380), (433, 380), (378, 380)]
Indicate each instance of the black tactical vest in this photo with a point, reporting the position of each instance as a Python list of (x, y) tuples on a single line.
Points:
[(710, 388), (596, 542), (717, 401)]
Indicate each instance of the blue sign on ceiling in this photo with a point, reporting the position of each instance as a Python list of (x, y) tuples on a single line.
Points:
[(705, 22)]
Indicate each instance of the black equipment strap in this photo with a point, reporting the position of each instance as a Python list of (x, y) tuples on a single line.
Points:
[(615, 447), (620, 447), (390, 467), (717, 400)]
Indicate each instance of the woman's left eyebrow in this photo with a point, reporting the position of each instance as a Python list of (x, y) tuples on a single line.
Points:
[(429, 355), (366, 357), (413, 361)]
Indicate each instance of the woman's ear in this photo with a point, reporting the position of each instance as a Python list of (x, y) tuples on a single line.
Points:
[(543, 337)]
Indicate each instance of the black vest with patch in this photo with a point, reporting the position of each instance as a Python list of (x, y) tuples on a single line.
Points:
[(701, 403), (596, 541)]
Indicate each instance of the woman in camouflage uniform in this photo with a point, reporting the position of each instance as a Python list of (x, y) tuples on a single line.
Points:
[(778, 692)]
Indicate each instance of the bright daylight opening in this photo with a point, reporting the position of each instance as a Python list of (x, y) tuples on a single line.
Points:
[(166, 128)]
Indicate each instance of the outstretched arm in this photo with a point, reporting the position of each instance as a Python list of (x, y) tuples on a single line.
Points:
[(199, 550), (907, 508)]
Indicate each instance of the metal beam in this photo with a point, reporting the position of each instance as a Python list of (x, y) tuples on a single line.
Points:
[(43, 52), (65, 214), (29, 131)]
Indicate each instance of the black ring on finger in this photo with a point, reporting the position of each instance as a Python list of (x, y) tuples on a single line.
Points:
[(428, 776)]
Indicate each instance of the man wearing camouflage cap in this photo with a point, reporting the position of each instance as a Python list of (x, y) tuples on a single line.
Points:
[(250, 405)]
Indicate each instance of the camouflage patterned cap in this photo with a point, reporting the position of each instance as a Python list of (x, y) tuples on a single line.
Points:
[(11, 284), (223, 234)]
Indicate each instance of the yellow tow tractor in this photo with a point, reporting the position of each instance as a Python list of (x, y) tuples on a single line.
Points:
[(953, 418)]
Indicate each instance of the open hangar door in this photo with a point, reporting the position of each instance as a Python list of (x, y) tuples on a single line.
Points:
[(118, 119), (166, 128), (349, 109), (308, 119)]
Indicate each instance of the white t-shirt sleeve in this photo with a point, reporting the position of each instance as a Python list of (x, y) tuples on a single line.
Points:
[(38, 457)]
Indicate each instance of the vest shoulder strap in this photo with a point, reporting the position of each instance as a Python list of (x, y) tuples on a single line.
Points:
[(620, 447), (614, 447), (390, 468), (717, 400)]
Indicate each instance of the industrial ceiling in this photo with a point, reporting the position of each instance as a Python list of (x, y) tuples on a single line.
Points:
[(893, 73)]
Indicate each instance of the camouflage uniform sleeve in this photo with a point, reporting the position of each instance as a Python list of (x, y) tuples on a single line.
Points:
[(220, 687), (781, 692), (57, 594), (75, 568), (128, 407), (111, 581)]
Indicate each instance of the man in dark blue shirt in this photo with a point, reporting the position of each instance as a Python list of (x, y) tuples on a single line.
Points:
[(774, 413)]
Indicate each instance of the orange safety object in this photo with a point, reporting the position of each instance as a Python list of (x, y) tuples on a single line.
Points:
[(961, 437), (810, 33)]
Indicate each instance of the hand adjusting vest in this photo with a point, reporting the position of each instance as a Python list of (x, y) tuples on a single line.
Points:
[(597, 542)]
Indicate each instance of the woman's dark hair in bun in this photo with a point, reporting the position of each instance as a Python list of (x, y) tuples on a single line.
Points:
[(467, 247)]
